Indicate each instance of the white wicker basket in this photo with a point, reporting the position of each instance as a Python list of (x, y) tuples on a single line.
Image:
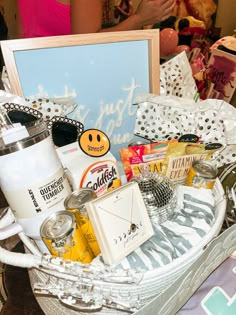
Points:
[(153, 282)]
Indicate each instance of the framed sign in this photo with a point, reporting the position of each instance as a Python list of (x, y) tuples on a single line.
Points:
[(102, 72)]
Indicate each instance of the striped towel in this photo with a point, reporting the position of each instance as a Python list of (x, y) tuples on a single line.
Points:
[(190, 222)]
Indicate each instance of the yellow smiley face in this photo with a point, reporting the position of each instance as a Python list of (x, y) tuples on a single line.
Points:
[(94, 142)]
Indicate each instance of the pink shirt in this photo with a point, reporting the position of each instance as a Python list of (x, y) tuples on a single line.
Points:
[(51, 17), (44, 18)]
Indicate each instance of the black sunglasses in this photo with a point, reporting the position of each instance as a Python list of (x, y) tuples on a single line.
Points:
[(63, 130)]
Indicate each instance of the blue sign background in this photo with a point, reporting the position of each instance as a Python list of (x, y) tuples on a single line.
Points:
[(103, 79)]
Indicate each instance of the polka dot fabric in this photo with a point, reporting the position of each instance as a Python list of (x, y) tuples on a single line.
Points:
[(176, 77), (48, 107), (161, 118)]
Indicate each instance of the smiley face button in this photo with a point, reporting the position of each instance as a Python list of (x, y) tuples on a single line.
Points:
[(94, 142)]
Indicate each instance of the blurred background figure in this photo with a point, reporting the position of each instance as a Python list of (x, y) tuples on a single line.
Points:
[(36, 18), (3, 32)]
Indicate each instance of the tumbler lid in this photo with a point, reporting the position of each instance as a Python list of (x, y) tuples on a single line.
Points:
[(37, 131)]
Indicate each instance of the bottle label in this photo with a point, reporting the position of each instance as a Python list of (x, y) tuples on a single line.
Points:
[(40, 197)]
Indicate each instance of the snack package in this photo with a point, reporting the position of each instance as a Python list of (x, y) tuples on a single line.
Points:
[(170, 158), (180, 157), (100, 174), (152, 153)]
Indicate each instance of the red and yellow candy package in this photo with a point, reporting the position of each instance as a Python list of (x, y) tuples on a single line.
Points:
[(152, 153)]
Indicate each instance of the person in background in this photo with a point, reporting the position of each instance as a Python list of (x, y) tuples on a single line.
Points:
[(3, 34), (37, 18)]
